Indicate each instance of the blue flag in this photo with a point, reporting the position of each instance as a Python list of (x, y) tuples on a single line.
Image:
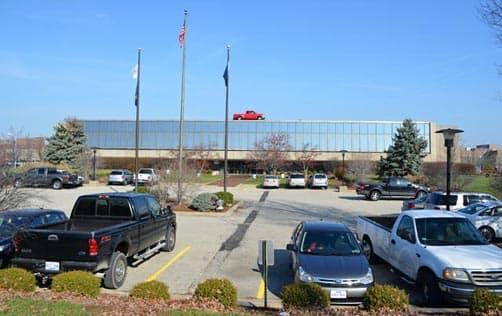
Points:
[(225, 76)]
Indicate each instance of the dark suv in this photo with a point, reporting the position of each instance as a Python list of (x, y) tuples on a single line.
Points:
[(437, 200)]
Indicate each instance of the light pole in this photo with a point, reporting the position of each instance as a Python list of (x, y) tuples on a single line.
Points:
[(94, 164), (343, 151), (449, 136)]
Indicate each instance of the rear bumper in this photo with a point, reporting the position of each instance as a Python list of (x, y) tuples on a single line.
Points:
[(39, 265)]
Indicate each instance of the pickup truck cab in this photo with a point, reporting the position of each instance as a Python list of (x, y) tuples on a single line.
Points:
[(392, 187), (440, 251), (249, 115), (104, 234), (46, 177)]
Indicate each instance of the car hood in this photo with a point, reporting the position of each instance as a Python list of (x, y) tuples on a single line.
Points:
[(469, 257), (334, 266)]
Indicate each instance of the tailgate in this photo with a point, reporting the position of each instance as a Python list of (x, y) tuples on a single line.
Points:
[(53, 245)]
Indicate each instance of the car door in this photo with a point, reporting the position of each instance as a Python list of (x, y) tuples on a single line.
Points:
[(295, 240), (496, 220), (403, 253), (159, 221)]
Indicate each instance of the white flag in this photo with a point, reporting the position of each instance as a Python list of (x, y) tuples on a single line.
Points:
[(135, 72)]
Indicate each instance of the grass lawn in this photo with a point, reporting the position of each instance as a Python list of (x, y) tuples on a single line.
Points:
[(481, 184)]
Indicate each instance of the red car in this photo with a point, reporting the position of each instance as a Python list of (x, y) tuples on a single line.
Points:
[(249, 115)]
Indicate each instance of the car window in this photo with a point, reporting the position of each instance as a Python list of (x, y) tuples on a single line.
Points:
[(54, 218), (329, 243), (119, 207), (116, 172), (405, 229), (153, 205), (472, 209), (37, 221), (85, 207), (141, 206), (497, 211), (148, 171)]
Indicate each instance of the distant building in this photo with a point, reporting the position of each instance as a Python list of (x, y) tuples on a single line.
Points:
[(485, 157), (18, 151)]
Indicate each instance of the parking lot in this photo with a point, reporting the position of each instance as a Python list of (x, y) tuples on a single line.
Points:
[(226, 245)]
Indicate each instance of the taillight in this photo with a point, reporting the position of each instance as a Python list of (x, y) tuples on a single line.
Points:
[(17, 242), (93, 247), (411, 205)]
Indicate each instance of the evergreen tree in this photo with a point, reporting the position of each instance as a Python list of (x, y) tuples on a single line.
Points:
[(404, 156), (67, 143)]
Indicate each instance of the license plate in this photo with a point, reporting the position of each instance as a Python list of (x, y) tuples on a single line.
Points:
[(52, 266), (338, 294)]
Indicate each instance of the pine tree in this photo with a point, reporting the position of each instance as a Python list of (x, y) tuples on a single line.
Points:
[(404, 156), (67, 143)]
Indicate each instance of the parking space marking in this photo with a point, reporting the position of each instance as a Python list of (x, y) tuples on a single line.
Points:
[(168, 264), (261, 290)]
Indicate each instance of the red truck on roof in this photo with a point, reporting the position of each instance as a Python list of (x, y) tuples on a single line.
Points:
[(249, 115)]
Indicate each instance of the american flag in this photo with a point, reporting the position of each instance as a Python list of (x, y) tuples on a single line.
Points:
[(182, 36)]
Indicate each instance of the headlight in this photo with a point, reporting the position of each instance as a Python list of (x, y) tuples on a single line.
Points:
[(457, 275), (368, 278), (304, 276), (3, 247)]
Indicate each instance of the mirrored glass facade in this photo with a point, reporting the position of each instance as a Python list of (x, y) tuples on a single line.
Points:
[(326, 136)]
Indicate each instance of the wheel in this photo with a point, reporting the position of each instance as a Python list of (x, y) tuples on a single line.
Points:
[(170, 239), (420, 194), (56, 185), (487, 232), (368, 251), (325, 187), (429, 287), (260, 118), (116, 273), (239, 118), (374, 195)]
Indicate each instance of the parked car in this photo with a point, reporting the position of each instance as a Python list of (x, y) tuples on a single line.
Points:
[(296, 180), (249, 115), (487, 217), (147, 176), (122, 176), (328, 254), (318, 180), (414, 204), (270, 181), (46, 177), (437, 200), (12, 220), (391, 187)]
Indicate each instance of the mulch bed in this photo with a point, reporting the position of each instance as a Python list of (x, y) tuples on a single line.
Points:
[(232, 181)]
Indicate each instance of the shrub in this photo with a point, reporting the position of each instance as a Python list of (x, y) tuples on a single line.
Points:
[(227, 197), (204, 202), (220, 289), (385, 297), (484, 302), (142, 189), (17, 279), (305, 295), (78, 282), (150, 290)]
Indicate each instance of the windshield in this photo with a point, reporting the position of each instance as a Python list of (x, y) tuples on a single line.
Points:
[(329, 243), (472, 209), (448, 232)]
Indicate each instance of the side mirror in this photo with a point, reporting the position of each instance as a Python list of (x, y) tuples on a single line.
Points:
[(291, 247)]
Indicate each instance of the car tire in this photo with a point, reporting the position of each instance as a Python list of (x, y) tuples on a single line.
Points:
[(429, 288), (170, 239), (368, 250), (18, 183), (260, 118), (487, 232), (57, 185), (239, 118), (374, 195), (116, 274)]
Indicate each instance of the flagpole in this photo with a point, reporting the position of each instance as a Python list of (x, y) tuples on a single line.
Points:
[(136, 103), (182, 110), (227, 84)]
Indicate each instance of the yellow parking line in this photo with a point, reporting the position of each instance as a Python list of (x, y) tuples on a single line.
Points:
[(169, 263), (261, 289)]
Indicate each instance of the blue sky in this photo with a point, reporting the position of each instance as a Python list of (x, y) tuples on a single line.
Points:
[(427, 60)]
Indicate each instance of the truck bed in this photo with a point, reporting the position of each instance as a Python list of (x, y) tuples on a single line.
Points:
[(386, 221)]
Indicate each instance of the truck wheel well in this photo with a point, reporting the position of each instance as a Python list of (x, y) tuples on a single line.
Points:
[(123, 247), (422, 271)]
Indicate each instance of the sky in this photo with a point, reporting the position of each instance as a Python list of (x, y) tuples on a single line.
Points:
[(372, 60)]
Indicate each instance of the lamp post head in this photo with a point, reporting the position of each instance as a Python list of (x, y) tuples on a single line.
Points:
[(449, 135)]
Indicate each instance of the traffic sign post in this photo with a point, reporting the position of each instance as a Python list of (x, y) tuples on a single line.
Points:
[(265, 259)]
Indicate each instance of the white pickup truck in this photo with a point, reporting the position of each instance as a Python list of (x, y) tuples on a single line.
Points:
[(440, 251)]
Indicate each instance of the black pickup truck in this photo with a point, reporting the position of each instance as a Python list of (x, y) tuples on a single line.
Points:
[(46, 177), (104, 234), (392, 187)]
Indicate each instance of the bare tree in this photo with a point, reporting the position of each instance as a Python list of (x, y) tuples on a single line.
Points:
[(271, 152), (491, 12), (199, 156), (11, 197), (363, 168), (305, 157)]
